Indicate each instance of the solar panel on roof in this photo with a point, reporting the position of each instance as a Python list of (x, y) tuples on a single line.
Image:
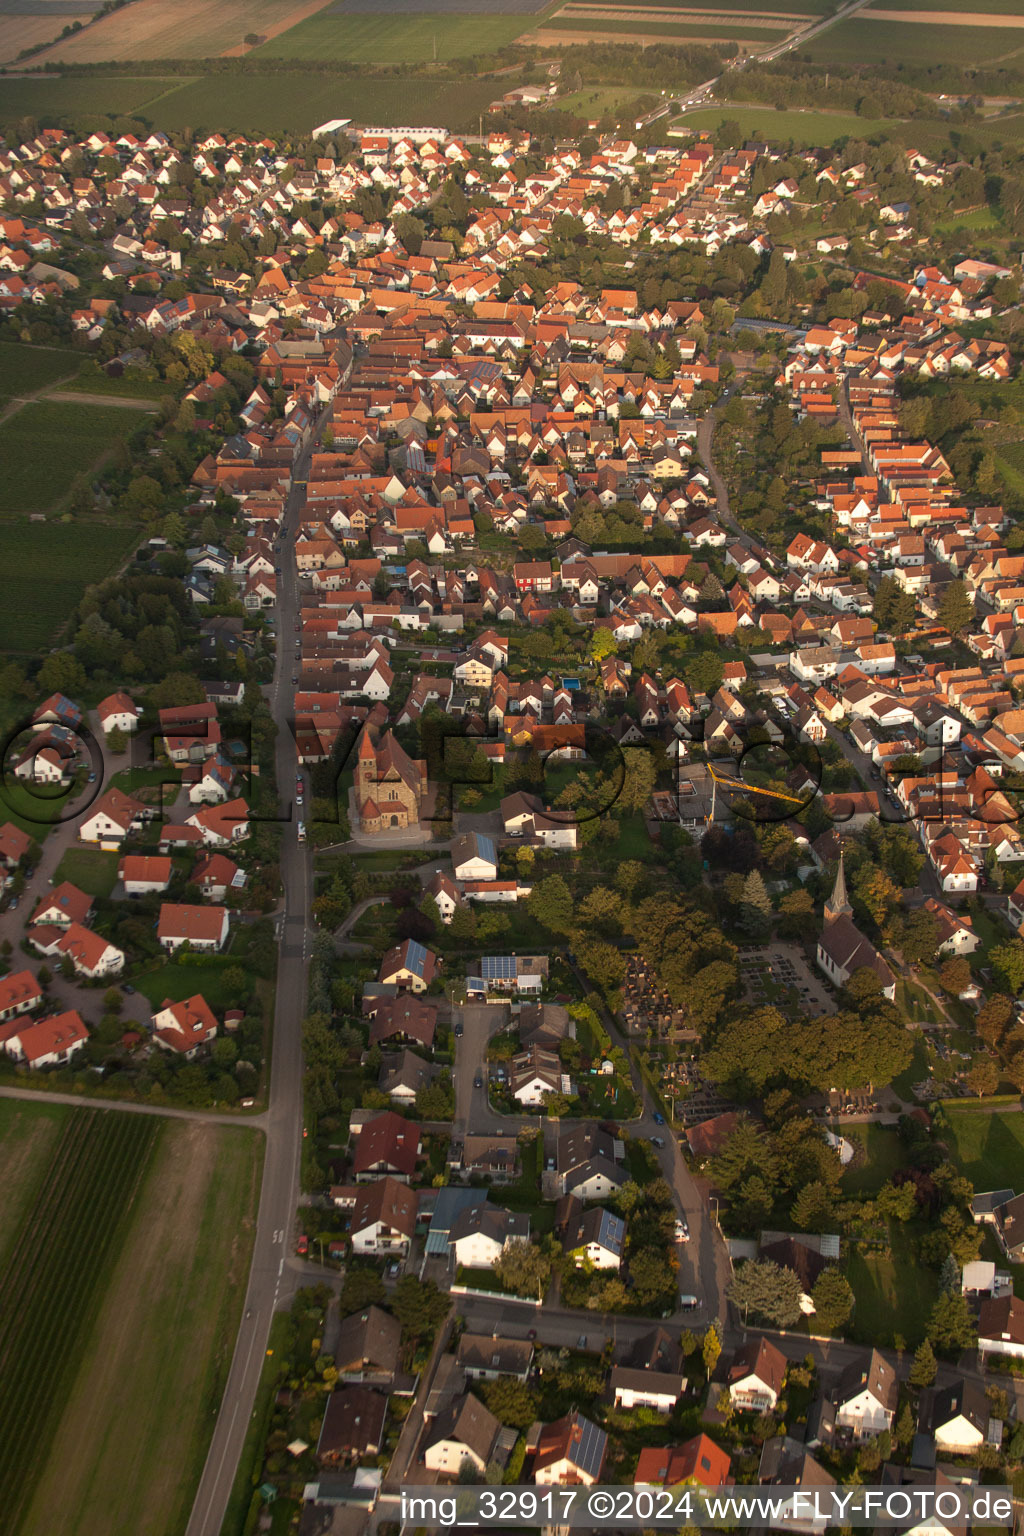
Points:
[(417, 956), (588, 1452), (498, 967)]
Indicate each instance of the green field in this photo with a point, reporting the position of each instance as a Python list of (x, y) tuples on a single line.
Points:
[(54, 95), (132, 1426), (65, 1246), (811, 127), (46, 444), (390, 39), (131, 385), (859, 41), (93, 871), (977, 220), (28, 1135), (45, 569), (24, 369), (988, 1147), (286, 102)]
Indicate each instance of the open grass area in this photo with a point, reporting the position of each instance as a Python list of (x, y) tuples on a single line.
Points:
[(90, 869), (883, 1154), (894, 1294), (28, 1135), (185, 980), (25, 369), (47, 443), (131, 1440), (33, 610), (810, 127), (989, 1146), (382, 38), (976, 220), (65, 1248), (131, 385), (862, 41)]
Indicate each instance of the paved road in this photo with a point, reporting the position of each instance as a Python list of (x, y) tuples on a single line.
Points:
[(268, 1281)]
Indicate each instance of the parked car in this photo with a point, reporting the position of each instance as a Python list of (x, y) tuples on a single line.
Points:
[(687, 1302), (657, 1141), (302, 1246), (659, 1119), (581, 1342)]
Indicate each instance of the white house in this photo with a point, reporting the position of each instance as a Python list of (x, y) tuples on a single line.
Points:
[(480, 1234), (464, 1432), (142, 874), (111, 819), (202, 928), (183, 1027), (474, 857), (866, 1397), (117, 713), (50, 1042), (596, 1237), (383, 1218)]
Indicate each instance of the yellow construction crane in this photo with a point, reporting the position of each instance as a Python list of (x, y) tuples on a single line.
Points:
[(746, 789)]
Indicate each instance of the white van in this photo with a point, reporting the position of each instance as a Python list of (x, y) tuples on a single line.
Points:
[(688, 1303), (302, 831)]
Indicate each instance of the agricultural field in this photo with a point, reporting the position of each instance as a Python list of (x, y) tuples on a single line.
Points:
[(575, 27), (295, 103), (46, 444), (19, 31), (33, 612), (69, 1236), (28, 1136), (23, 370), (118, 1459), (941, 7), (178, 29), (813, 127), (381, 38), (859, 41), (73, 95)]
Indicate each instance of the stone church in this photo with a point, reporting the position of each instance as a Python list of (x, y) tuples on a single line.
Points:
[(390, 787), (843, 949)]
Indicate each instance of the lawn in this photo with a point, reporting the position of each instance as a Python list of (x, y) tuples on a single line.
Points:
[(988, 1146), (24, 369), (185, 980), (132, 1438), (894, 1294), (382, 38), (975, 220), (65, 1247), (90, 869), (884, 1153), (33, 611), (46, 444)]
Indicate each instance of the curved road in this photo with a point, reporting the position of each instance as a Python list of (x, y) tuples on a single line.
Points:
[(279, 1195)]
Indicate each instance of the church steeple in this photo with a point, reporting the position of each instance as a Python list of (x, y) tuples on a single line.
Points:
[(838, 904)]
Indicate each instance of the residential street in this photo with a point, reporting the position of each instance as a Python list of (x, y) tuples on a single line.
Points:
[(279, 1196)]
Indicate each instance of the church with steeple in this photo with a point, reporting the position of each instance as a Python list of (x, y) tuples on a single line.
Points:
[(842, 948)]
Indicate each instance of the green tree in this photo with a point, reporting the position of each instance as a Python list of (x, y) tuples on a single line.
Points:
[(951, 1327), (511, 1401), (766, 1291), (833, 1299), (523, 1269), (419, 1306), (924, 1367), (956, 608), (1008, 965), (710, 1349)]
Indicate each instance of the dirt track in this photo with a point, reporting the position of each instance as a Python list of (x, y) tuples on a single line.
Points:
[(945, 18)]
